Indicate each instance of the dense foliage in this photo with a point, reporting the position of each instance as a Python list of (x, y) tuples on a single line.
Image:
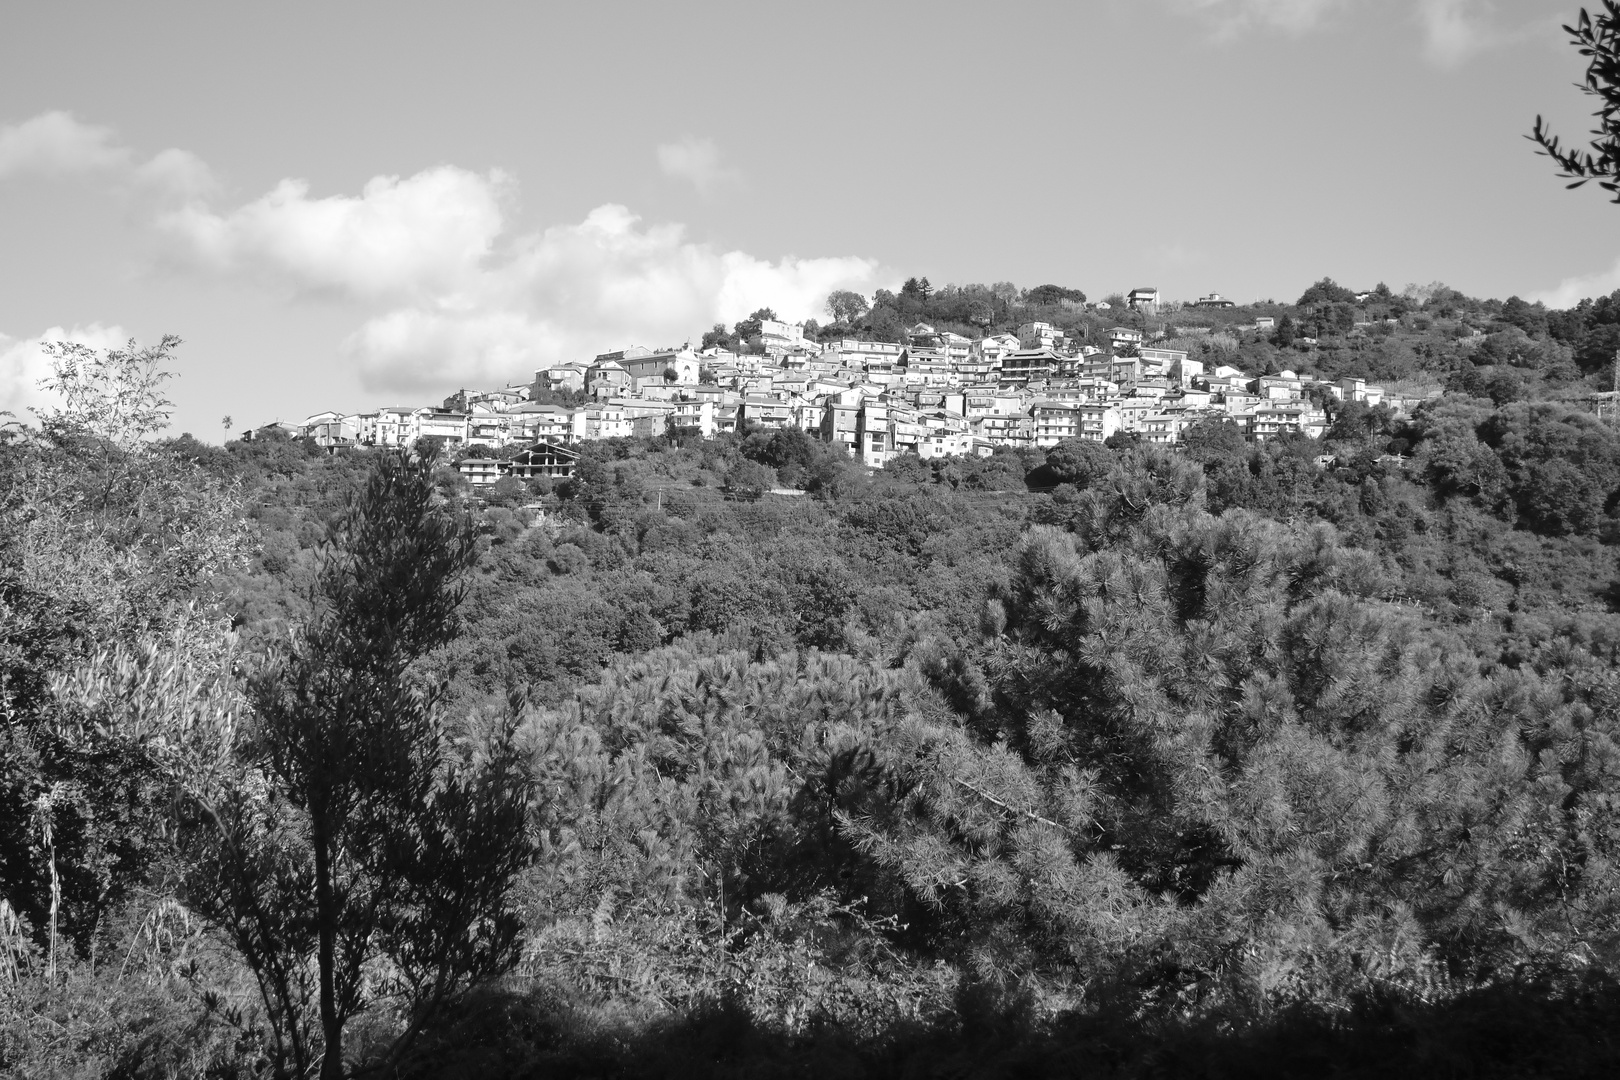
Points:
[(1045, 757)]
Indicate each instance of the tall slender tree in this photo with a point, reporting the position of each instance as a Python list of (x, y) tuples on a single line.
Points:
[(360, 838)]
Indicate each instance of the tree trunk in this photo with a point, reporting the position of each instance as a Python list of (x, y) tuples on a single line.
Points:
[(326, 923)]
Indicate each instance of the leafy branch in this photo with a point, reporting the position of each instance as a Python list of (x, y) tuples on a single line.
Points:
[(1599, 39)]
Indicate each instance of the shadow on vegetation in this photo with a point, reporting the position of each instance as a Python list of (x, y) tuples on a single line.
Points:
[(1528, 1029)]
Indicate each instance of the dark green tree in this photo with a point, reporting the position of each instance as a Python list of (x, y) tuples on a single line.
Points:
[(1080, 462), (358, 833), (1053, 294), (1326, 291), (846, 306), (1284, 333)]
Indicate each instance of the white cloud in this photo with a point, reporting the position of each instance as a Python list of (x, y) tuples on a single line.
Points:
[(1572, 290), (57, 144), (574, 290), (23, 363), (420, 236), (54, 143), (1455, 30), (698, 161), (178, 173), (463, 303), (1234, 16), (446, 293)]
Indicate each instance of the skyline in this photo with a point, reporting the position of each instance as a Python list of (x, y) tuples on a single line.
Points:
[(378, 205)]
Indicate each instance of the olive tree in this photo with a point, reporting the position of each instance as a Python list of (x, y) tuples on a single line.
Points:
[(1598, 39)]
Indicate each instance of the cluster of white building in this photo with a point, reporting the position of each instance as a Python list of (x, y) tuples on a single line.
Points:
[(937, 395)]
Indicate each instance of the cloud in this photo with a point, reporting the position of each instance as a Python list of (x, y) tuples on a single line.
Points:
[(574, 290), (446, 293), (1235, 16), (458, 301), (23, 363), (417, 237), (1455, 30), (177, 173), (57, 144), (1572, 290), (698, 161)]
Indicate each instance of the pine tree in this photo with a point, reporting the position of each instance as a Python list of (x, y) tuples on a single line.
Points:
[(357, 830)]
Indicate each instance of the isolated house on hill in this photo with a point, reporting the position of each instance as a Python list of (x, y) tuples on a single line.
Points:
[(544, 458), (479, 471)]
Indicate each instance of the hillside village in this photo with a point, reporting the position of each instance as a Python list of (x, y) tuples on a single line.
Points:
[(937, 393)]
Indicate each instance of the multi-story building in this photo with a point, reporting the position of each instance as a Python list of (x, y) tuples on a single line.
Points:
[(1164, 428), (677, 366), (1123, 337), (450, 427), (395, 426), (1098, 420), (781, 337), (608, 378), (1026, 365), (485, 425), (695, 417), (1014, 431), (1357, 390), (1270, 421), (544, 458), (331, 431), (560, 377), (764, 411), (1038, 335), (1055, 421), (479, 471), (607, 422), (841, 424), (1168, 359), (1146, 297), (864, 355)]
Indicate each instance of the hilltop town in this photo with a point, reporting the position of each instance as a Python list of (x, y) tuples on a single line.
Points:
[(1134, 366)]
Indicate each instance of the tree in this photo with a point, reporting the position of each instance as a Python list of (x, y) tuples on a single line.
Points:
[(750, 479), (1080, 462), (1531, 318), (110, 544), (846, 306), (1053, 294), (1599, 39), (717, 338), (917, 289), (1284, 333), (1327, 291), (357, 833)]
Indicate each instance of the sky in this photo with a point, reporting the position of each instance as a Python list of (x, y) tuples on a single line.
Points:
[(345, 206)]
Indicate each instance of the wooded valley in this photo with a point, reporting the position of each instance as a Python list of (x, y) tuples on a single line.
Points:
[(1263, 758)]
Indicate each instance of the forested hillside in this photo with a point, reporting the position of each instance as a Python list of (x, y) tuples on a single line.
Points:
[(1242, 758)]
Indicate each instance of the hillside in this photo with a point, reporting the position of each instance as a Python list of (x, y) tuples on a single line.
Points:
[(1101, 756)]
